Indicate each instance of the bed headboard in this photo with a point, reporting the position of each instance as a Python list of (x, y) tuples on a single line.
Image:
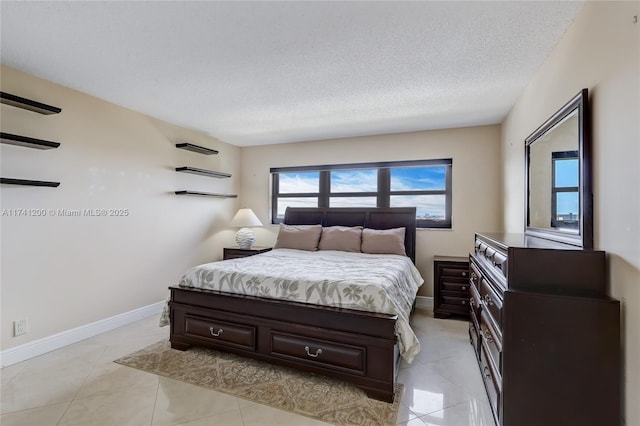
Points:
[(374, 218)]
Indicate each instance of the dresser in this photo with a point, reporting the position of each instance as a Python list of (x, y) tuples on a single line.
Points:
[(545, 334), (450, 286)]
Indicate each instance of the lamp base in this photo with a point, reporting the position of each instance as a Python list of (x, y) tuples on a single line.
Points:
[(245, 238)]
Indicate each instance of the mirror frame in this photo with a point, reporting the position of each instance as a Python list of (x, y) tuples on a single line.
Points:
[(584, 237)]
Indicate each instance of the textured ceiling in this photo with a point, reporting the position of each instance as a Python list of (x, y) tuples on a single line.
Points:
[(253, 73)]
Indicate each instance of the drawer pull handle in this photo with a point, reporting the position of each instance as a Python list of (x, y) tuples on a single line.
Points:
[(487, 374), (464, 288), (215, 334), (464, 274), (464, 302), (316, 355), (487, 336), (487, 300)]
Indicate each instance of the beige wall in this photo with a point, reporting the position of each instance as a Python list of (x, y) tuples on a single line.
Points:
[(600, 51), (476, 181), (65, 272)]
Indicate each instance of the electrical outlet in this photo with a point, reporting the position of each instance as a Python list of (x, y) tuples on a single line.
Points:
[(19, 327)]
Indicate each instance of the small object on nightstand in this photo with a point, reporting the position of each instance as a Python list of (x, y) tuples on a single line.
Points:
[(245, 218), (450, 286), (236, 252)]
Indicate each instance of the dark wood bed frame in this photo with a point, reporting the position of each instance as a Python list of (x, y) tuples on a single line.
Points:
[(355, 346)]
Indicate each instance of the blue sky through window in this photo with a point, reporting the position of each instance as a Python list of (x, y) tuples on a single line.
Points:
[(304, 182), (418, 178), (354, 181), (366, 180), (567, 204), (566, 175)]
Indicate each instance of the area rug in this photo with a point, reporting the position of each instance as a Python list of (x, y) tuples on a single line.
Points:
[(322, 398)]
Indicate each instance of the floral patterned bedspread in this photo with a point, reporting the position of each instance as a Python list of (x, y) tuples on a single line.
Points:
[(367, 282)]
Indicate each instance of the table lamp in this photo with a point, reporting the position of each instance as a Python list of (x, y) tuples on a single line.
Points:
[(245, 237)]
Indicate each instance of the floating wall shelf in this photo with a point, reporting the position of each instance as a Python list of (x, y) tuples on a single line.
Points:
[(202, 172), (27, 142), (206, 194), (28, 104), (25, 182), (196, 148)]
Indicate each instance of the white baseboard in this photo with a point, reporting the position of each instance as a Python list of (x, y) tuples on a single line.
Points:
[(59, 340), (424, 302)]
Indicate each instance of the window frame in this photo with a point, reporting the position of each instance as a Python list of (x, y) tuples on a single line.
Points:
[(383, 193)]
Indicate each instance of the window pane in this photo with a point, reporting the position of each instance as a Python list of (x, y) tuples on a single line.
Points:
[(283, 203), (353, 202), (431, 207), (354, 181), (418, 178), (297, 182), (422, 184), (567, 206), (566, 172)]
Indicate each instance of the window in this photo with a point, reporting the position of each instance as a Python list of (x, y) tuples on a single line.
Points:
[(565, 199), (424, 184)]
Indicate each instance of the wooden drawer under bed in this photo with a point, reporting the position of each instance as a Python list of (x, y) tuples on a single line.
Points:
[(355, 346)]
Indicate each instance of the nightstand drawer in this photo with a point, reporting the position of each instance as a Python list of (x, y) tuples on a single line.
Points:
[(228, 256), (462, 302), (458, 272), (462, 287), (237, 252)]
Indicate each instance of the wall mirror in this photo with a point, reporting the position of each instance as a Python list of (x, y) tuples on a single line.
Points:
[(559, 200)]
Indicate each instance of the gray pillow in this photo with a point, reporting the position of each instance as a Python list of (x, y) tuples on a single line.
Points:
[(383, 241), (343, 238), (299, 237)]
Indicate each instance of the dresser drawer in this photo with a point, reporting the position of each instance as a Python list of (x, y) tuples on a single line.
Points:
[(221, 332), (475, 302), (491, 382), (494, 260), (473, 337), (348, 357), (492, 340), (491, 302), (474, 278)]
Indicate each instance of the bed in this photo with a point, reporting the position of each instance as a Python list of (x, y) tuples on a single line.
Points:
[(351, 344)]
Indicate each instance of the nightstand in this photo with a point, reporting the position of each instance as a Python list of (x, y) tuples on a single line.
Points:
[(236, 252), (450, 286)]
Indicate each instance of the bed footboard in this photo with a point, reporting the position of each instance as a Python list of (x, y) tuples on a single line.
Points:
[(355, 346)]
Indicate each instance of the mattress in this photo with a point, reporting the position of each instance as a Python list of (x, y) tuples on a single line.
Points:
[(369, 282)]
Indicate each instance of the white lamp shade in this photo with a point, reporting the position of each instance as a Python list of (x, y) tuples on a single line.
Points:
[(244, 218)]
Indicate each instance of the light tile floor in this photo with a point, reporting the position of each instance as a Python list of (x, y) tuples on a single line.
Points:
[(80, 385)]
